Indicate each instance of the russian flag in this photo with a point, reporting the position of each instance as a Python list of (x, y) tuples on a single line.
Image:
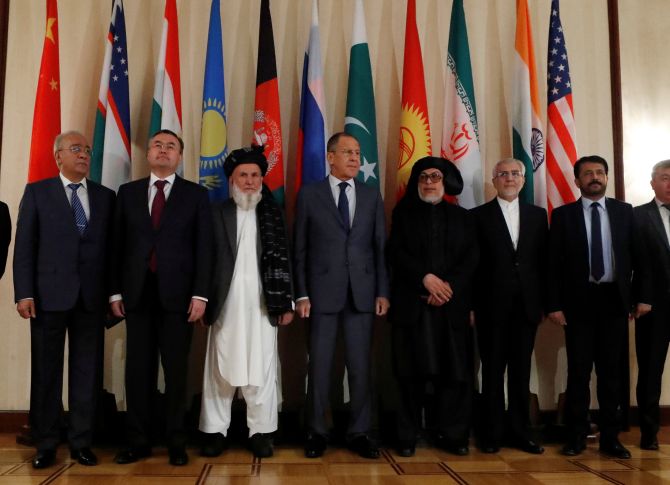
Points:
[(311, 164)]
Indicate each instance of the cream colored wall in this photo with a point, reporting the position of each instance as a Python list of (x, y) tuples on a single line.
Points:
[(491, 24)]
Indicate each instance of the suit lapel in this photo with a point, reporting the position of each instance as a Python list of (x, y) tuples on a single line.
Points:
[(172, 201), (615, 228), (326, 195), (62, 204), (502, 228), (655, 220), (229, 215), (580, 224), (93, 205)]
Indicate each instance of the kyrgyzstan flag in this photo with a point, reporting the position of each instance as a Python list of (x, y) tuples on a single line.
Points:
[(267, 116), (46, 119)]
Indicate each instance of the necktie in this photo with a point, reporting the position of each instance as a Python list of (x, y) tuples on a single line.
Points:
[(157, 207), (78, 209), (343, 204), (597, 263)]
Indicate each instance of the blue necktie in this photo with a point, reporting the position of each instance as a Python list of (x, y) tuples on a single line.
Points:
[(597, 262), (343, 204), (78, 210)]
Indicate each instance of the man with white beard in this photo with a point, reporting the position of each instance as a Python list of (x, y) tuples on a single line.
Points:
[(251, 295)]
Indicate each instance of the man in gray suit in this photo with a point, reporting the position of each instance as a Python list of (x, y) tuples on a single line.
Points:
[(341, 280)]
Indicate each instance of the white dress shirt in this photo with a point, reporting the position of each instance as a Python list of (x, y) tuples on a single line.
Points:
[(510, 212), (82, 193), (606, 232), (350, 192), (665, 217), (153, 189)]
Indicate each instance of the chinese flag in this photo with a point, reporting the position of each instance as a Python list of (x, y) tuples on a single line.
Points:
[(46, 119)]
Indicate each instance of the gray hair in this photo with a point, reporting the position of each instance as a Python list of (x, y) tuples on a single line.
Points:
[(522, 167), (59, 139), (662, 165)]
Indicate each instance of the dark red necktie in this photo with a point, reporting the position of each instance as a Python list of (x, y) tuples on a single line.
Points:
[(157, 207)]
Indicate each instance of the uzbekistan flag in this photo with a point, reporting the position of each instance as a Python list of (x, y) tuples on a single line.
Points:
[(213, 134), (527, 137), (415, 142), (311, 164), (110, 161), (267, 115), (46, 117)]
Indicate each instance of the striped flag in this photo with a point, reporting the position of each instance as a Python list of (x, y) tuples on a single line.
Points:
[(213, 134), (561, 149), (311, 164), (110, 160), (460, 134), (267, 115), (166, 105), (360, 119), (46, 117), (527, 137), (415, 142)]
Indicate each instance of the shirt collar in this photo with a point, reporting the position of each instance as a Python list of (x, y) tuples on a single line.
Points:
[(67, 181), (659, 204), (586, 203), (507, 205), (335, 182), (169, 179)]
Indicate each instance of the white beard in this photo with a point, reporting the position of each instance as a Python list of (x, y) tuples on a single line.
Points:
[(433, 198), (245, 200)]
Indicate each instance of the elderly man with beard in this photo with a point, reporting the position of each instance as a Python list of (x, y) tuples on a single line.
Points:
[(589, 294), (509, 300), (251, 295), (433, 254)]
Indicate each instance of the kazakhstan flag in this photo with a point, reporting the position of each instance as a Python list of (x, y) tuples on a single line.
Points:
[(214, 135)]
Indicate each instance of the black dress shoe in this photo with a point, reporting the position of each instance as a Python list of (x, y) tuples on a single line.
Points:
[(315, 445), (364, 447), (529, 446), (132, 454), (573, 447), (406, 448), (649, 443), (84, 456), (260, 445), (44, 458), (178, 456), (213, 445), (453, 447), (489, 448), (614, 449)]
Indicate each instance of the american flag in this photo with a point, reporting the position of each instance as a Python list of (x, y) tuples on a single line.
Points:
[(561, 150)]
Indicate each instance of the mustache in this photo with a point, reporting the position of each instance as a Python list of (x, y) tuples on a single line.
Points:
[(595, 182)]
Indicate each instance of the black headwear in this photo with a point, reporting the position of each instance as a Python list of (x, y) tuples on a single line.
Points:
[(451, 176), (252, 154)]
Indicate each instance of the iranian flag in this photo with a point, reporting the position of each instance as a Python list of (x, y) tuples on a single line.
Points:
[(360, 118), (460, 135), (415, 142), (527, 136)]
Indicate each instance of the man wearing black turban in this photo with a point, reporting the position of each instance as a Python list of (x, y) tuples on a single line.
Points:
[(433, 254)]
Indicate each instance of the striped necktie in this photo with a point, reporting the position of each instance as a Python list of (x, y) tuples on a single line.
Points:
[(78, 209)]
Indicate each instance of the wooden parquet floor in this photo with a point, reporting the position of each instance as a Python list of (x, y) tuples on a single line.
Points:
[(340, 467)]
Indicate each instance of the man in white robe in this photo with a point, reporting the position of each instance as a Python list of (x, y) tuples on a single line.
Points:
[(252, 290)]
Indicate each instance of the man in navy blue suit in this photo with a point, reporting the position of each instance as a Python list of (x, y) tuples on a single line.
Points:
[(60, 278), (340, 280)]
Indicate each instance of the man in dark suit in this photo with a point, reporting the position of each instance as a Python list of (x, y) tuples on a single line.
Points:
[(341, 280), (5, 236), (161, 275), (651, 283), (60, 283), (509, 286), (589, 294)]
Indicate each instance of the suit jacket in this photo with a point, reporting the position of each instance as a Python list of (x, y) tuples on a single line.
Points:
[(5, 236), (569, 256), (651, 280), (501, 266), (329, 259), (408, 247), (183, 244), (54, 264)]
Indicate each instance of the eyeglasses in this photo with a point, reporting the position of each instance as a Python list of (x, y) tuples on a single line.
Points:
[(433, 177), (515, 174), (349, 153), (168, 147), (77, 149)]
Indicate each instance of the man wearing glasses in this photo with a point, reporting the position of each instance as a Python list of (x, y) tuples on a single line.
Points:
[(340, 281), (161, 262), (60, 276), (509, 284)]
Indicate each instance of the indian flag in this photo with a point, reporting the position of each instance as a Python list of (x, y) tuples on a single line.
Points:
[(527, 136)]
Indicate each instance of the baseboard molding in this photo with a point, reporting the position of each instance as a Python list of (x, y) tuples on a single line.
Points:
[(13, 421)]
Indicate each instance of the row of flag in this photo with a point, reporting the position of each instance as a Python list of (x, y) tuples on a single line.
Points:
[(547, 184)]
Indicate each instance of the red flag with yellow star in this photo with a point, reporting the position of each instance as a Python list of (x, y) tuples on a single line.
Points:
[(415, 140), (46, 119)]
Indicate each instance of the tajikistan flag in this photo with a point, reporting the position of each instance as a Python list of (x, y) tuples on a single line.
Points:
[(360, 119), (527, 136)]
